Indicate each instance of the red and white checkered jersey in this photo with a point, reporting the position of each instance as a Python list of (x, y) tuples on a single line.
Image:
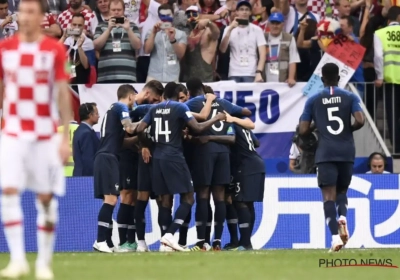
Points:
[(65, 18), (318, 7), (48, 21), (29, 72)]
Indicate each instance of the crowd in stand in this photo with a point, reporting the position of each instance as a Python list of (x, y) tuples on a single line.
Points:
[(172, 41)]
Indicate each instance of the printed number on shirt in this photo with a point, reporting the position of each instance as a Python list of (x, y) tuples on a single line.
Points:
[(159, 130), (103, 126), (249, 140), (333, 118), (393, 35), (220, 125)]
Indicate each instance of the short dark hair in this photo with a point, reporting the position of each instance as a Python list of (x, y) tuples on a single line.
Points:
[(330, 72), (170, 91), (350, 20), (42, 4), (393, 13), (194, 86), (3, 1), (181, 88), (124, 90), (155, 86), (208, 89), (85, 110), (165, 7), (78, 15)]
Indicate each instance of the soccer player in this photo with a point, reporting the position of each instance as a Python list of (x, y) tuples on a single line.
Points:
[(32, 153), (331, 111), (211, 168), (129, 166), (170, 171), (106, 165)]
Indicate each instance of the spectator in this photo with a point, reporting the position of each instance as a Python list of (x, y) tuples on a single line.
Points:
[(343, 7), (247, 47), (387, 68), (294, 157), (8, 23), (102, 10), (261, 12), (132, 11), (117, 44), (76, 7), (297, 14), (377, 164), (282, 55), (80, 51), (73, 125), (202, 45), (148, 18), (166, 46), (180, 18), (212, 10), (183, 93), (50, 26), (85, 142)]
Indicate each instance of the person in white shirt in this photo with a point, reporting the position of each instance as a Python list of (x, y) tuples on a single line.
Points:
[(377, 164), (247, 47), (8, 22), (282, 57), (294, 156)]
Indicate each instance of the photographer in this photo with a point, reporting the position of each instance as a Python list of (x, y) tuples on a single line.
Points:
[(304, 147), (8, 23), (80, 50), (117, 42)]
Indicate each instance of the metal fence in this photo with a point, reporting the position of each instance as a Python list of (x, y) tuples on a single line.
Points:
[(383, 105)]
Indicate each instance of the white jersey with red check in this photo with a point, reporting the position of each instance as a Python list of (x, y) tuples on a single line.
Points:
[(65, 19), (29, 72)]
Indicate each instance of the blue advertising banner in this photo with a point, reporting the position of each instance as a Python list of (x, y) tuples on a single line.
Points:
[(291, 216)]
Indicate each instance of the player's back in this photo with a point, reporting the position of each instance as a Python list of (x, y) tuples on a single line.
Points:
[(332, 110), (196, 104), (112, 131), (29, 72), (167, 123)]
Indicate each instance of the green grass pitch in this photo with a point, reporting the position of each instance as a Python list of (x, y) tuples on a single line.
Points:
[(250, 265)]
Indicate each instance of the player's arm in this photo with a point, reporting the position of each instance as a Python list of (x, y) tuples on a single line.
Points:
[(130, 142), (235, 110), (256, 142), (143, 124), (244, 122), (358, 115), (228, 139), (206, 110), (306, 118), (200, 127)]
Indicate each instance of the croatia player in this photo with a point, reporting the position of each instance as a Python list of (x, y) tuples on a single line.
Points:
[(31, 153)]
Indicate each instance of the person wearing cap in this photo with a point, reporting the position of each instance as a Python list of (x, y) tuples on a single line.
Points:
[(282, 54), (247, 47), (202, 45)]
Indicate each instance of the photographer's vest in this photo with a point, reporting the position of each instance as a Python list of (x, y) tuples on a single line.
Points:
[(283, 56), (69, 167), (390, 38)]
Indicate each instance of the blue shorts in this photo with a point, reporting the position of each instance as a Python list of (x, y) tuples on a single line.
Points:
[(249, 188), (337, 174), (145, 174), (128, 173), (211, 170), (106, 175), (171, 177)]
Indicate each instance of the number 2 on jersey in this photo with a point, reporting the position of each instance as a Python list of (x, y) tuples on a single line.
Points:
[(333, 118), (160, 131), (221, 124)]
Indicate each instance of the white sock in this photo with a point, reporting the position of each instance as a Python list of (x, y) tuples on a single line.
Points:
[(46, 220), (342, 218), (142, 243), (336, 237), (12, 217)]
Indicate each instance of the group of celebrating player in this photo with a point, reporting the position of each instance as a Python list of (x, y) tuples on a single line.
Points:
[(170, 147)]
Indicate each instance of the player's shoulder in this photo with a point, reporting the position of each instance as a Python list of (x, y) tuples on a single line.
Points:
[(118, 106)]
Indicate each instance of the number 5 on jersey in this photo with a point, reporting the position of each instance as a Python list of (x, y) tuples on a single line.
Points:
[(333, 118), (159, 130)]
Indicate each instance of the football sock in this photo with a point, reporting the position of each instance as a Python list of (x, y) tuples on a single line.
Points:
[(12, 218), (122, 221), (341, 203), (183, 230), (164, 219), (201, 218), (140, 219), (131, 226), (209, 223), (244, 218), (330, 216), (47, 218), (103, 221), (180, 216), (219, 218), (232, 221), (109, 241)]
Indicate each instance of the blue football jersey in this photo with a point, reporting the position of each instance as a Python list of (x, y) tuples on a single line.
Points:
[(112, 132), (167, 120), (331, 110)]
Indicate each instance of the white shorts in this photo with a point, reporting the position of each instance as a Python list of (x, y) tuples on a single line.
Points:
[(32, 165)]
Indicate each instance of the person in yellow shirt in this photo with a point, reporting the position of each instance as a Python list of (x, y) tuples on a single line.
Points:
[(69, 167)]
